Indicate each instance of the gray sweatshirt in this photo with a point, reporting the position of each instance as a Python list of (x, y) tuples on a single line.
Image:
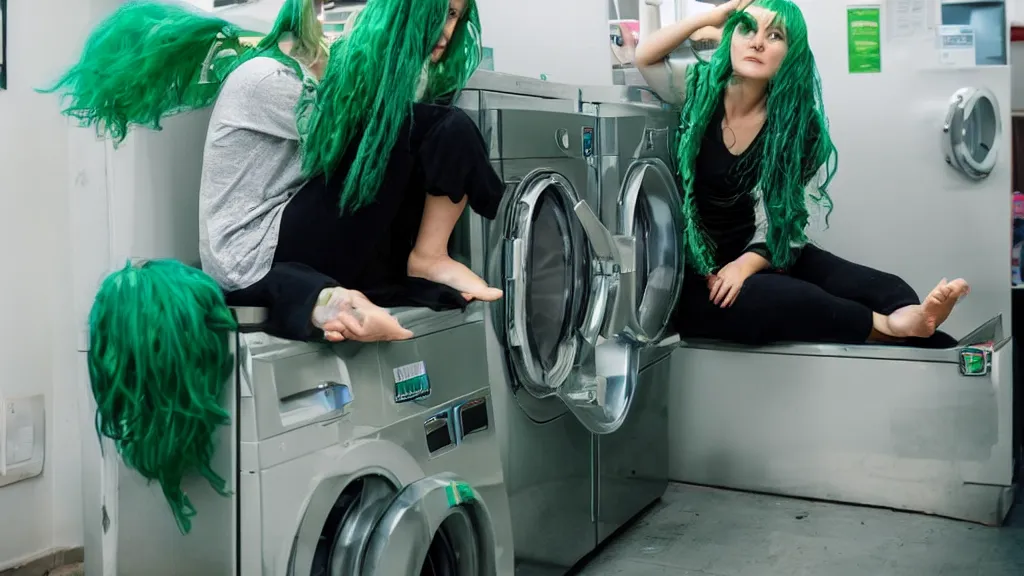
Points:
[(251, 169)]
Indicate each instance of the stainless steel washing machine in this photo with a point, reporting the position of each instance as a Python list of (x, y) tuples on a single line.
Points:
[(639, 198), (564, 345), (343, 460)]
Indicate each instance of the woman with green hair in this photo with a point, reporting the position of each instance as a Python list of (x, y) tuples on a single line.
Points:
[(355, 179), (323, 167), (754, 155)]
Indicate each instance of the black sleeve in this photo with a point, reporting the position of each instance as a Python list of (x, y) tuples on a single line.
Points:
[(290, 292)]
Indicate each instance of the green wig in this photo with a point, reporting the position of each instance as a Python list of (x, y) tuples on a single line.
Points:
[(787, 159), (149, 60), (159, 355), (371, 83)]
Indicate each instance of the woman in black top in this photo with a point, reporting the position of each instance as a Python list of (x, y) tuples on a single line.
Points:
[(754, 153)]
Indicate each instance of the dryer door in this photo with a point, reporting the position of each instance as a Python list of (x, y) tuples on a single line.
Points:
[(436, 526), (546, 270), (562, 268), (650, 210)]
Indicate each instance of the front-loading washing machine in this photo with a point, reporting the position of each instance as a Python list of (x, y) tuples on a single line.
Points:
[(342, 460), (639, 198), (566, 342)]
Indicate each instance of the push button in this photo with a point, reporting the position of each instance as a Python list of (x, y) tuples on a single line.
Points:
[(438, 431), (471, 417)]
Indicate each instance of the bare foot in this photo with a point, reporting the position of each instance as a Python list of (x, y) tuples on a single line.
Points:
[(922, 320), (348, 315), (444, 270)]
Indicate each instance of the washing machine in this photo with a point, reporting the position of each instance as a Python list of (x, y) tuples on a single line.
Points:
[(566, 343), (639, 198), (345, 460)]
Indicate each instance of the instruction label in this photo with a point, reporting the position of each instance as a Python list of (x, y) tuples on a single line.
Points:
[(864, 38), (411, 382), (956, 46)]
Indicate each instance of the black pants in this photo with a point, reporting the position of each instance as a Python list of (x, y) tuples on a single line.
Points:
[(823, 298), (439, 152)]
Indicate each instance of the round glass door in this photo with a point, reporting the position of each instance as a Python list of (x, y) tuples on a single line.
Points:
[(546, 272), (649, 210), (973, 132), (437, 526)]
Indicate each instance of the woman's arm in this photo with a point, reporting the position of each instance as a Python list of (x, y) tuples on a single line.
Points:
[(666, 75), (656, 47)]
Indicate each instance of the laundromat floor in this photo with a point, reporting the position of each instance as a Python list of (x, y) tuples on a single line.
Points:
[(697, 531)]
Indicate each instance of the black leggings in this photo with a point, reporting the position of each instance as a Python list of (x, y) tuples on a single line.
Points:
[(439, 152), (823, 298)]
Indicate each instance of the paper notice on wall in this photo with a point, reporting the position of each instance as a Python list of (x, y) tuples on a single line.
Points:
[(956, 46), (864, 39), (910, 18)]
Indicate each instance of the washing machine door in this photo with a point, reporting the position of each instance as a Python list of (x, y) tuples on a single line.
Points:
[(561, 268), (649, 210), (437, 526)]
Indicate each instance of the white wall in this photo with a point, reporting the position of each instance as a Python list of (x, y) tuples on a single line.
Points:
[(37, 330), (566, 40)]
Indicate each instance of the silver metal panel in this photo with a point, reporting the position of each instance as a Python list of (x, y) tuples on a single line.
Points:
[(631, 96), (632, 462), (989, 331), (542, 134), (148, 539), (489, 81), (495, 101), (899, 433)]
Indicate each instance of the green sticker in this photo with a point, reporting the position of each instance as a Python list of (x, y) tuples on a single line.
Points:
[(459, 493), (864, 38), (487, 59), (411, 382)]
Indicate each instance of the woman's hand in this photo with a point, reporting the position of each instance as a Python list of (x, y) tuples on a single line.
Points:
[(725, 284), (722, 12)]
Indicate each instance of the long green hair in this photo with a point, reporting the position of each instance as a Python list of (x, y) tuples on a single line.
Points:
[(371, 83), (150, 60), (159, 356), (787, 159)]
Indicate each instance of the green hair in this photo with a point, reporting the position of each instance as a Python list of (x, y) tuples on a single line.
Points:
[(787, 160), (159, 355), (150, 60), (371, 83)]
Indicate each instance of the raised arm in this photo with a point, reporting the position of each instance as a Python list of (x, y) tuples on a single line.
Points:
[(664, 72)]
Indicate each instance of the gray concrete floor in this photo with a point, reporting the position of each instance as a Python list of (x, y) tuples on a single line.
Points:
[(697, 531)]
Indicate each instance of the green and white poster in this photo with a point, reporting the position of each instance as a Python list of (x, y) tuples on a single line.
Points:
[(864, 37)]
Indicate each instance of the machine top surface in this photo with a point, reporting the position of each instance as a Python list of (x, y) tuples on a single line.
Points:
[(489, 81), (634, 95)]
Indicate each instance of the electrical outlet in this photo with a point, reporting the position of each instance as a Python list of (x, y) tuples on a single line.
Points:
[(22, 438)]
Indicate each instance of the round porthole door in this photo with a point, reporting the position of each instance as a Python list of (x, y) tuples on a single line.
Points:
[(650, 208), (973, 132), (546, 270), (437, 526)]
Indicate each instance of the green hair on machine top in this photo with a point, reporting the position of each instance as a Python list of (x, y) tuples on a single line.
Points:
[(149, 60), (788, 160), (372, 80), (159, 356)]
